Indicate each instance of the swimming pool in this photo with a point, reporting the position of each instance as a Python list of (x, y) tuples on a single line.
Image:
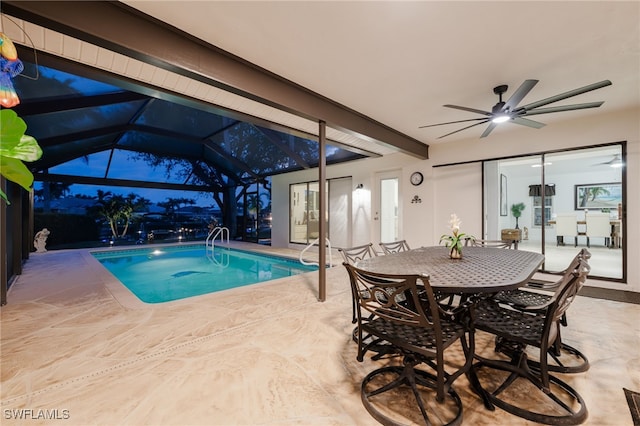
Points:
[(162, 274)]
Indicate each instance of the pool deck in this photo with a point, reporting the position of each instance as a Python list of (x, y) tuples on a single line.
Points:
[(76, 341)]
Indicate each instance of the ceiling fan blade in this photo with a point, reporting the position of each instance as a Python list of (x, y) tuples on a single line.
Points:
[(464, 128), (566, 95), (519, 94), (615, 160), (477, 111), (451, 122), (489, 129), (563, 108), (527, 122)]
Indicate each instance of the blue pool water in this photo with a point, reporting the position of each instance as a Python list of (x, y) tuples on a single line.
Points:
[(161, 274)]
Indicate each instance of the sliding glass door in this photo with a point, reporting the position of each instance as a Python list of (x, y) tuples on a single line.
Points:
[(531, 196), (304, 212)]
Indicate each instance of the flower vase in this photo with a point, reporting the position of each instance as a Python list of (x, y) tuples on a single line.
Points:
[(454, 253)]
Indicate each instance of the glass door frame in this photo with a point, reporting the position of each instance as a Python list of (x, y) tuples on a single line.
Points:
[(623, 153)]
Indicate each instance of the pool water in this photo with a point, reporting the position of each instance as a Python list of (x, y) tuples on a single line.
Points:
[(162, 274)]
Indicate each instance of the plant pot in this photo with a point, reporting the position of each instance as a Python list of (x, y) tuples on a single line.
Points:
[(454, 253)]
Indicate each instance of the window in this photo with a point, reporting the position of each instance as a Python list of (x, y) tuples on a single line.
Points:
[(537, 210)]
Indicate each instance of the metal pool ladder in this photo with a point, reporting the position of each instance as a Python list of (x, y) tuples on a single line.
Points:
[(314, 242), (218, 231)]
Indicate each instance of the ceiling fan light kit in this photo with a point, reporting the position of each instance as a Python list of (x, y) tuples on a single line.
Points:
[(511, 112), (500, 118)]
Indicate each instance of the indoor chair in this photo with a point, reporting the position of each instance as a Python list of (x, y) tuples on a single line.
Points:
[(554, 400), (598, 226), (566, 226), (402, 311)]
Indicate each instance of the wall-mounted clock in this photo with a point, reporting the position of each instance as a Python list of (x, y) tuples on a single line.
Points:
[(416, 178)]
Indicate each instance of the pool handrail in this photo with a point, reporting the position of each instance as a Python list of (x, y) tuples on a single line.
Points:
[(218, 231), (314, 242)]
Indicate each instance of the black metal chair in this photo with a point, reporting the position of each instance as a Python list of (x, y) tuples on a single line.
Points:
[(506, 244), (555, 402), (402, 311), (564, 358), (351, 255), (394, 247)]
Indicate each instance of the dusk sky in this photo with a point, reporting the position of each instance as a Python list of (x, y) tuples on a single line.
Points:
[(123, 167)]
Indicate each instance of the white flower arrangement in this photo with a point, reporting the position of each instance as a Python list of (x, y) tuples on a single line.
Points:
[(454, 241)]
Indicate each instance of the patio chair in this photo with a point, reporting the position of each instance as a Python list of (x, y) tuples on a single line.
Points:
[(402, 311), (353, 254), (556, 403), (394, 247), (564, 358), (507, 244)]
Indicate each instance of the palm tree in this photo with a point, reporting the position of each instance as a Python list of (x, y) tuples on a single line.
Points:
[(115, 208), (106, 207), (127, 205), (590, 194), (255, 203), (173, 204)]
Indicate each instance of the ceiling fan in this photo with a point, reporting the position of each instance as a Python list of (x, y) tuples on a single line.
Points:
[(509, 111), (616, 161)]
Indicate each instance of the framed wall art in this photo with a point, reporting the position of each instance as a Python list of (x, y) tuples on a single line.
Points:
[(597, 196), (504, 211)]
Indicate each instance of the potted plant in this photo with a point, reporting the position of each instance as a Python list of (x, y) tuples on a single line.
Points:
[(454, 241), (516, 211)]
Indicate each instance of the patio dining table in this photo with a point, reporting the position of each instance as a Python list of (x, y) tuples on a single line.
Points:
[(480, 270)]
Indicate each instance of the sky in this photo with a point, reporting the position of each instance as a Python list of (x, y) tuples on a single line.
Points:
[(123, 167)]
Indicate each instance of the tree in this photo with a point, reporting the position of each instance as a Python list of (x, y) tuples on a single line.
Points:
[(254, 203), (173, 204), (52, 190), (127, 205), (115, 208), (106, 207)]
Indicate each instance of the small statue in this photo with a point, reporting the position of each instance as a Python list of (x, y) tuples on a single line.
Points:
[(40, 240)]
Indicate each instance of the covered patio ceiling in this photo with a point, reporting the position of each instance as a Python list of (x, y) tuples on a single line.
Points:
[(100, 98), (91, 125)]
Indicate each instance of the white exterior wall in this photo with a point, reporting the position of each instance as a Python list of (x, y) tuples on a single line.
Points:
[(447, 191)]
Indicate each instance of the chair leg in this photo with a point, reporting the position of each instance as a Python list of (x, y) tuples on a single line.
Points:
[(392, 377), (563, 358), (569, 407)]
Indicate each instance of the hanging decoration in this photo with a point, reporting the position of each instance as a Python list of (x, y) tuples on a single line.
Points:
[(10, 66)]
